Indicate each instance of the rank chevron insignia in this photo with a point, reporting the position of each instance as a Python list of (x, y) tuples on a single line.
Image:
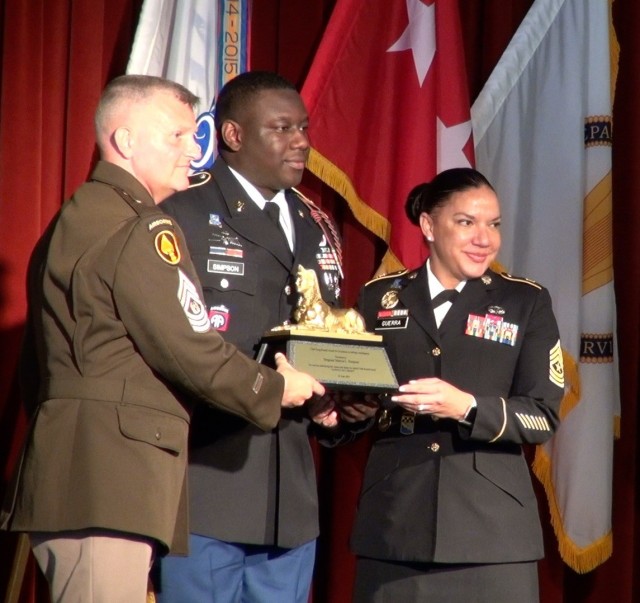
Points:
[(191, 304), (556, 365)]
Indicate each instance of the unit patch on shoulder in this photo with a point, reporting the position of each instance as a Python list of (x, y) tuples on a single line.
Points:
[(190, 301), (520, 279), (556, 365), (167, 247)]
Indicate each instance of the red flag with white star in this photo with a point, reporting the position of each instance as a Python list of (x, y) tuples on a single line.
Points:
[(389, 108)]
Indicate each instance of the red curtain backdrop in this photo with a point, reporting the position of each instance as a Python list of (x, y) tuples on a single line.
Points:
[(56, 57)]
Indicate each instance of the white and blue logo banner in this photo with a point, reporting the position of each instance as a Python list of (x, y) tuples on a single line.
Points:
[(200, 44), (543, 131)]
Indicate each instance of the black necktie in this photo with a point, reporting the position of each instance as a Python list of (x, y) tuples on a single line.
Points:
[(272, 210), (448, 295)]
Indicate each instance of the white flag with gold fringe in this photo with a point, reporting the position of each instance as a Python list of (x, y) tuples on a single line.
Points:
[(542, 129)]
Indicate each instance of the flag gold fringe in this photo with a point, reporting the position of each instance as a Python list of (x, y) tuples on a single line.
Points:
[(614, 53), (389, 263), (334, 177), (580, 559), (373, 221), (572, 384), (614, 57)]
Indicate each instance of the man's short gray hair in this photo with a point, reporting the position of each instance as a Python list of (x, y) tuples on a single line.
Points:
[(136, 88)]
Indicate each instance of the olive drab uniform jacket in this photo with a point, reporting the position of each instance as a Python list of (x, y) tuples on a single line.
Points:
[(245, 485), (438, 490), (118, 350)]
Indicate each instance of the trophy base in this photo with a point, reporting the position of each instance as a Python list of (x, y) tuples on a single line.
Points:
[(340, 361)]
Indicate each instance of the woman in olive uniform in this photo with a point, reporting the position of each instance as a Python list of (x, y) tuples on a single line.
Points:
[(447, 512)]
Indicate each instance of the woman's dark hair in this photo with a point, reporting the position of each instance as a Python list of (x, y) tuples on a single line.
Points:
[(428, 196)]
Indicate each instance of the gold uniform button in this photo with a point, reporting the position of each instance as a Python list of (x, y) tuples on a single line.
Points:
[(287, 290), (436, 352), (158, 434), (434, 447)]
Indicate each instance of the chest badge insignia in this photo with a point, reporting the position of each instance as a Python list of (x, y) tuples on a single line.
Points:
[(407, 423), (389, 300), (497, 310)]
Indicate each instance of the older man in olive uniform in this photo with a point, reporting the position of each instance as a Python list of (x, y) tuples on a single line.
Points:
[(117, 351)]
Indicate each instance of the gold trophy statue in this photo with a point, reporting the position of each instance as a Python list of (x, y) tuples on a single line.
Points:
[(332, 344)]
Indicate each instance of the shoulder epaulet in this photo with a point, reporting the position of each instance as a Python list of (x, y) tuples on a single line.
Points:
[(520, 279), (198, 179), (326, 225), (395, 274)]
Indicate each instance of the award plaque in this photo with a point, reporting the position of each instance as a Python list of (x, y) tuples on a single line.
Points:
[(330, 344), (339, 363)]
